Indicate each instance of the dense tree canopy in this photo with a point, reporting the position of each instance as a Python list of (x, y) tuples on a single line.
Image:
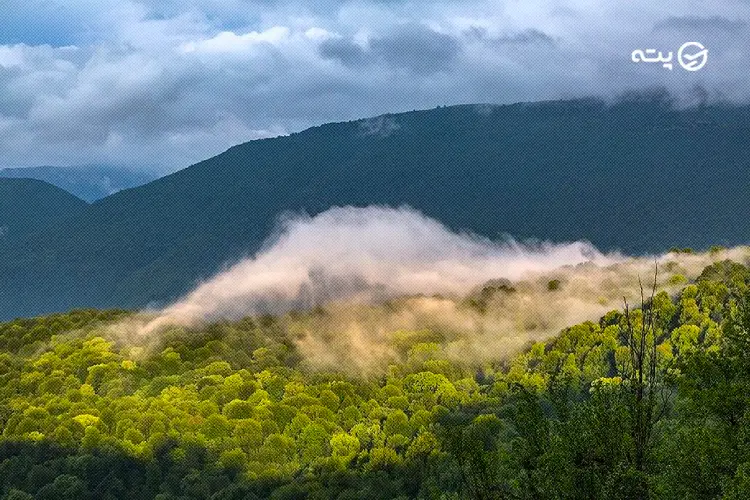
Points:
[(231, 411)]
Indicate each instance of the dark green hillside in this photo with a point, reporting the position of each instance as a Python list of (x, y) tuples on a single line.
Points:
[(27, 205), (639, 176)]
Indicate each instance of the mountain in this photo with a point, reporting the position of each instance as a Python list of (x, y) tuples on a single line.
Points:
[(28, 205), (637, 175), (89, 182)]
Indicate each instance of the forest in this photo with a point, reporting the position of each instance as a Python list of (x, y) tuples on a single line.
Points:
[(650, 401)]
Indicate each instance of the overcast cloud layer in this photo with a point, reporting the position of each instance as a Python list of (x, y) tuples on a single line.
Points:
[(171, 83)]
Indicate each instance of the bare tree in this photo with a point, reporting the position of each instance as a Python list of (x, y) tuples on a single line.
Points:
[(649, 395)]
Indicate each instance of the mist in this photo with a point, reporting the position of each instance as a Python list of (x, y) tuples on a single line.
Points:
[(359, 277), (364, 255)]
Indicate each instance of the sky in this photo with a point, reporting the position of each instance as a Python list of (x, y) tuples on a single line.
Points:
[(164, 84)]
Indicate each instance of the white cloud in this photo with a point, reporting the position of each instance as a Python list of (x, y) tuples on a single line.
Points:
[(319, 34), (11, 56), (230, 42)]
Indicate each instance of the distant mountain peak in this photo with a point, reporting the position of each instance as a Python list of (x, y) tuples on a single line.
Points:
[(88, 182)]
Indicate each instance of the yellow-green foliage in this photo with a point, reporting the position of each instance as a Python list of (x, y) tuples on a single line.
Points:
[(238, 395)]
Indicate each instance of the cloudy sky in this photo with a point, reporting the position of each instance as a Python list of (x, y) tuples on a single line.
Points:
[(169, 83)]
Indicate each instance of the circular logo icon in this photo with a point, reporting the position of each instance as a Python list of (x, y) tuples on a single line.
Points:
[(692, 56)]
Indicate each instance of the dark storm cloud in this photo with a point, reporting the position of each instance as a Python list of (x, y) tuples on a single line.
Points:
[(417, 48), (345, 50), (703, 25), (525, 37)]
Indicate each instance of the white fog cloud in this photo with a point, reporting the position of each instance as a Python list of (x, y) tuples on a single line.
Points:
[(375, 271), (366, 254)]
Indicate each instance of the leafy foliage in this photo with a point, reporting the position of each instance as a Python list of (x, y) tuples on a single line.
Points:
[(230, 411)]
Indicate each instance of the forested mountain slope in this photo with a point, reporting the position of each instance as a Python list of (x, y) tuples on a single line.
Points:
[(639, 176), (28, 205)]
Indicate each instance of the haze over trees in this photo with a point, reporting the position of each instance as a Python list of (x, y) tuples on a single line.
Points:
[(650, 402)]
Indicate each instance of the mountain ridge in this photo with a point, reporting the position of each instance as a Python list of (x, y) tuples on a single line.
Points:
[(88, 182), (638, 176)]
